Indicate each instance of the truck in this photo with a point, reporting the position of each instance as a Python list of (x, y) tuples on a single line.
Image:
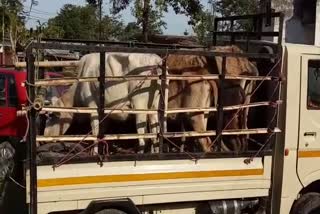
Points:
[(12, 99), (279, 173), (13, 121)]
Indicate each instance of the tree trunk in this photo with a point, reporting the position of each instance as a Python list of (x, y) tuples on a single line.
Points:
[(13, 40), (145, 21)]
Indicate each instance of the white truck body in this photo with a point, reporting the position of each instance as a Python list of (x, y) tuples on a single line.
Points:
[(164, 183)]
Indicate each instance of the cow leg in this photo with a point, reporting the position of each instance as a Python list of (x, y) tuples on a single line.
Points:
[(183, 139), (141, 123), (247, 100), (199, 125), (95, 131), (155, 129)]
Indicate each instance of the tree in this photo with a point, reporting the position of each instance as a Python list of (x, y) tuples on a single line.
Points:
[(204, 27), (239, 7), (14, 23), (149, 13), (82, 22), (131, 31), (73, 22)]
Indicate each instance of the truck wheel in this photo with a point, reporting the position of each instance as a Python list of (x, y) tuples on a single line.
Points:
[(110, 211), (308, 203)]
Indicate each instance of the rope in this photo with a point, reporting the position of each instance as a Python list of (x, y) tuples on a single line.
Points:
[(249, 160), (263, 146), (24, 139), (17, 183)]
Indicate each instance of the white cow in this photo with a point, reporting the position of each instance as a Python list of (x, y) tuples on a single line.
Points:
[(138, 94)]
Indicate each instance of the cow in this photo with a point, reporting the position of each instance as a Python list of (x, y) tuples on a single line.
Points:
[(237, 91), (204, 93), (138, 94), (183, 94)]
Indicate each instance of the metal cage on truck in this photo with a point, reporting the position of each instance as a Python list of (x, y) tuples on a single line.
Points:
[(36, 86)]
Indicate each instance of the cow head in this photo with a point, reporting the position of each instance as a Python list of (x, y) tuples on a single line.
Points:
[(58, 122)]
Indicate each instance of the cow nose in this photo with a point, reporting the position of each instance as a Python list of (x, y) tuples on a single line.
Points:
[(51, 114)]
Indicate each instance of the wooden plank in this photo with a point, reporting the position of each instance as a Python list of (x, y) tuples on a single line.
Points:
[(70, 80), (48, 64), (85, 110)]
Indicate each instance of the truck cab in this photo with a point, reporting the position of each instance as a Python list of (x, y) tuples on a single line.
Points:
[(13, 97)]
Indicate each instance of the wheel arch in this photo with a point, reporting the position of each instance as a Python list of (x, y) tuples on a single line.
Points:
[(126, 205)]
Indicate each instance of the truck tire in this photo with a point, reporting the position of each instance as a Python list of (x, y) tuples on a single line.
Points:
[(308, 203), (110, 211)]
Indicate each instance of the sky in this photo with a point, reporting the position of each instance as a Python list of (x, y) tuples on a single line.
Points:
[(176, 24)]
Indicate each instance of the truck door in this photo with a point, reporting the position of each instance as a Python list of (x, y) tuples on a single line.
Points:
[(8, 105), (309, 133)]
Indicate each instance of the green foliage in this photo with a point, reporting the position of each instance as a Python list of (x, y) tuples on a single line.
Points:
[(73, 22), (14, 22), (191, 8), (78, 22), (149, 13), (131, 31), (239, 7), (203, 27), (155, 15)]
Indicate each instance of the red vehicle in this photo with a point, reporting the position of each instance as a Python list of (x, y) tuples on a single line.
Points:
[(13, 96)]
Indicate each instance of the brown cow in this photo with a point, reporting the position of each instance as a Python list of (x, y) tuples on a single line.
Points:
[(191, 94), (203, 93)]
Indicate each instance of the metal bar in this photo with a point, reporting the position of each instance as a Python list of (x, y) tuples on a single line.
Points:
[(68, 81), (244, 33), (163, 104), (278, 150), (3, 34), (49, 64), (220, 103), (94, 48), (128, 44), (214, 35), (101, 102), (84, 110), (268, 13), (260, 33), (31, 143), (232, 33), (247, 42), (251, 16), (158, 157), (280, 38), (70, 138)]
